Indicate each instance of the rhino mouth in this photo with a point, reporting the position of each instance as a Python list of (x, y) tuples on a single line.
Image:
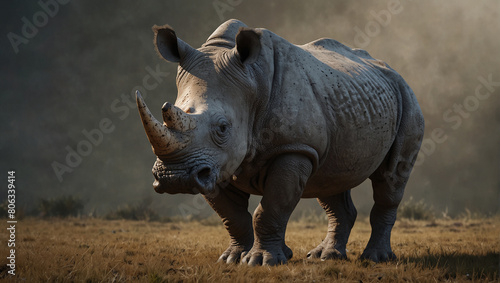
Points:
[(187, 179)]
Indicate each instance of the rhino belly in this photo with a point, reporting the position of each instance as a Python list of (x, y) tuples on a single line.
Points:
[(352, 157)]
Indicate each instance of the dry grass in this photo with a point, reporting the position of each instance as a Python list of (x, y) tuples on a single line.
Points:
[(93, 250)]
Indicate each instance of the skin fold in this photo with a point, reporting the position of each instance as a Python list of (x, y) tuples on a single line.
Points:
[(256, 114)]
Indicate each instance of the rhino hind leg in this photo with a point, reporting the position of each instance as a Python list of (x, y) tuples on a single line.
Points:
[(387, 195), (231, 205), (341, 216), (388, 183), (284, 185)]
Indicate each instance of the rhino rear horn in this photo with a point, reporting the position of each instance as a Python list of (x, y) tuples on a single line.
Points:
[(175, 118), (162, 139)]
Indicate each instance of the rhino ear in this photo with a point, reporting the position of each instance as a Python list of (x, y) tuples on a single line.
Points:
[(248, 45), (168, 46)]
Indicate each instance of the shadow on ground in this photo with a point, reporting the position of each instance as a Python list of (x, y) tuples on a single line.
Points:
[(455, 264)]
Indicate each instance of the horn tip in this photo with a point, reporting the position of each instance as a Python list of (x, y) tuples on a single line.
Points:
[(166, 106)]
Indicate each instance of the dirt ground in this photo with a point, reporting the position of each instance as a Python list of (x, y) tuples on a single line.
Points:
[(95, 250)]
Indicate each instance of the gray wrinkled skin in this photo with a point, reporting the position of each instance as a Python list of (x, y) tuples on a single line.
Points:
[(256, 114)]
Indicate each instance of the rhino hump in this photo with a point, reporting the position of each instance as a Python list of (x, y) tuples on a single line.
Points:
[(225, 34)]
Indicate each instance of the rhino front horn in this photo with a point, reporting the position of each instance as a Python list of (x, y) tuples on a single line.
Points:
[(162, 139)]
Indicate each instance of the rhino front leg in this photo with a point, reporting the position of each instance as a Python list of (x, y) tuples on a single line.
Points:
[(231, 205), (341, 216), (285, 182)]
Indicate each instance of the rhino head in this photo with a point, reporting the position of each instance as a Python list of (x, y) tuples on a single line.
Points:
[(205, 135)]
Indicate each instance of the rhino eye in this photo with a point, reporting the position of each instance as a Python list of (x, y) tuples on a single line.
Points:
[(221, 132), (223, 128)]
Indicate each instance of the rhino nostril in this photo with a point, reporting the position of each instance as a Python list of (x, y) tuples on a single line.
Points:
[(204, 175), (204, 179)]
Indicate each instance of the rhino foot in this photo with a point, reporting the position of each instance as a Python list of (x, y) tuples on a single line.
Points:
[(272, 255), (378, 255), (326, 251), (234, 253)]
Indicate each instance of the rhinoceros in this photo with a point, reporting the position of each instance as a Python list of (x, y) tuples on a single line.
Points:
[(258, 115)]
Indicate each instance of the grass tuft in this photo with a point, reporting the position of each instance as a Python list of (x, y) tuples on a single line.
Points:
[(140, 211), (64, 206), (413, 210)]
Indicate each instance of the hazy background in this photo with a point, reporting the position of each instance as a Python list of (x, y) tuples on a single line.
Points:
[(74, 72)]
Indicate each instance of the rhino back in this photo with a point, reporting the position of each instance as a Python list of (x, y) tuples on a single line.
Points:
[(338, 102), (355, 89)]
